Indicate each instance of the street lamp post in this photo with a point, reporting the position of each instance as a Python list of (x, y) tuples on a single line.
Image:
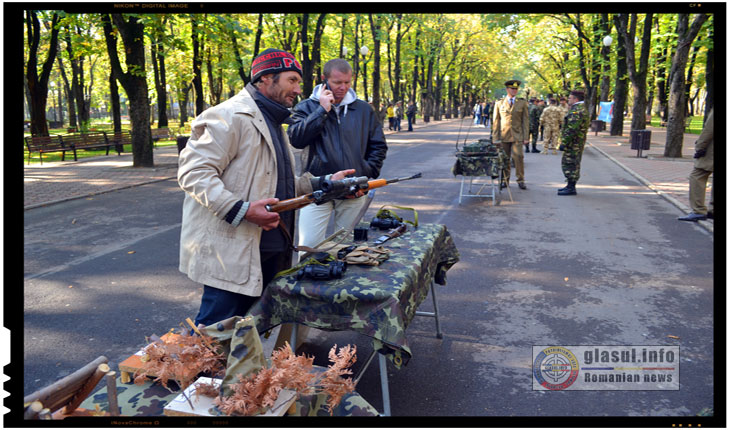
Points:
[(364, 52)]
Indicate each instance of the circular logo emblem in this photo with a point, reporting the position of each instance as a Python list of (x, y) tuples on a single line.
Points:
[(555, 368)]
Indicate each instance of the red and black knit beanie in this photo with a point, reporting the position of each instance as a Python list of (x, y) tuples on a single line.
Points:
[(273, 61)]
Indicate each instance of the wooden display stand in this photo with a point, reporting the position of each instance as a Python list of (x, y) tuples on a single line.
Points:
[(190, 404)]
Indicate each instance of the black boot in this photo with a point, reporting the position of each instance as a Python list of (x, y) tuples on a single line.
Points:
[(569, 190), (534, 148)]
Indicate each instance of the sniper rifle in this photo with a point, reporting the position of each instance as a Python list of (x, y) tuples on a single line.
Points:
[(336, 189)]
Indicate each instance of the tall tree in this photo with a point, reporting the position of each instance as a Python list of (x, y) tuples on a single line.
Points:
[(197, 66), (157, 54), (605, 59), (69, 95), (134, 81), (116, 105), (710, 75), (38, 84), (637, 74), (620, 91), (375, 26), (675, 124), (310, 63)]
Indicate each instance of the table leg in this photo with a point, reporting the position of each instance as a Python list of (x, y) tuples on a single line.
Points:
[(434, 314), (461, 190), (293, 339), (384, 385)]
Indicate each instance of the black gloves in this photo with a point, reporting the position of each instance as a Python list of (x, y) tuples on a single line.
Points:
[(700, 153)]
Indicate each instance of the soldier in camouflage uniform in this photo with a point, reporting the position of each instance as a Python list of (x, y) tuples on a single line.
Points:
[(575, 128), (534, 114), (565, 108), (551, 119)]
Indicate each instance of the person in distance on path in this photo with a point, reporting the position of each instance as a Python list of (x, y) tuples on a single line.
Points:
[(703, 168), (575, 131), (510, 128)]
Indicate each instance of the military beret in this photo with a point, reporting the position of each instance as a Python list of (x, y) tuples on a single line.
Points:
[(514, 83), (578, 93)]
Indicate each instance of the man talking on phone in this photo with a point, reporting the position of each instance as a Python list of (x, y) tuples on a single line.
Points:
[(335, 129)]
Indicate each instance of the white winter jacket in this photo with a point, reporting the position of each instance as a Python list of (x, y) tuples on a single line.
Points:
[(230, 157)]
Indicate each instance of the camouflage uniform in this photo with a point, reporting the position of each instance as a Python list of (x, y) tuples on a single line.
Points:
[(551, 119), (534, 113), (575, 128), (565, 108)]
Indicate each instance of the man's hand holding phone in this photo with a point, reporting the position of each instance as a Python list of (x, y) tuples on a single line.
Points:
[(326, 97)]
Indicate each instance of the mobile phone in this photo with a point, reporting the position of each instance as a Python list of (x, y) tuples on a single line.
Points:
[(326, 85)]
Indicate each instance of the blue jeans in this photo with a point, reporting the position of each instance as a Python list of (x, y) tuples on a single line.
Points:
[(410, 123), (217, 305)]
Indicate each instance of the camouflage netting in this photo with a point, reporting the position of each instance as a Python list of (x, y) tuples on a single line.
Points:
[(377, 301)]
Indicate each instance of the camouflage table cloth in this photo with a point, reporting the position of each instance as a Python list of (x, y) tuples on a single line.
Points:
[(479, 165), (377, 301), (151, 398)]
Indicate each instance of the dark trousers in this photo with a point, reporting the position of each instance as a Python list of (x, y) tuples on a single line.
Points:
[(217, 305), (410, 123), (397, 124)]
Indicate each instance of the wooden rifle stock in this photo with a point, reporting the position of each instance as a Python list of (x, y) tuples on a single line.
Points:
[(301, 201), (291, 204)]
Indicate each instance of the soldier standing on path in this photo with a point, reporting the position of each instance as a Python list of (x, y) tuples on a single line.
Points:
[(551, 119), (510, 127), (534, 112), (703, 168), (575, 130)]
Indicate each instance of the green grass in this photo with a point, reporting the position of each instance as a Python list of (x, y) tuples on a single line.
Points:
[(695, 125)]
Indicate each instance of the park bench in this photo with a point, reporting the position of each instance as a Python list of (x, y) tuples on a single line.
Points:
[(88, 141), (160, 133), (42, 144), (118, 139)]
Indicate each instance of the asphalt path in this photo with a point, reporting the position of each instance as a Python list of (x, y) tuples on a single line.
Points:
[(611, 266)]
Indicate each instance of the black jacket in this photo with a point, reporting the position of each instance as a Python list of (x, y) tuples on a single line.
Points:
[(356, 141)]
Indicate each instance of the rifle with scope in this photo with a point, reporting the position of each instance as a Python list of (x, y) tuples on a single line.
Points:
[(331, 190)]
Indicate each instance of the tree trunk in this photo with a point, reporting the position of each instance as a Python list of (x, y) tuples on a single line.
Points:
[(158, 67), (116, 106), (415, 67), (38, 85), (688, 81), (375, 28), (606, 59), (710, 78), (133, 81), (675, 123), (69, 95), (620, 87), (197, 68)]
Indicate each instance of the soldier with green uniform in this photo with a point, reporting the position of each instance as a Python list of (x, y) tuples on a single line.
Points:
[(551, 119), (510, 128), (575, 128), (534, 113)]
